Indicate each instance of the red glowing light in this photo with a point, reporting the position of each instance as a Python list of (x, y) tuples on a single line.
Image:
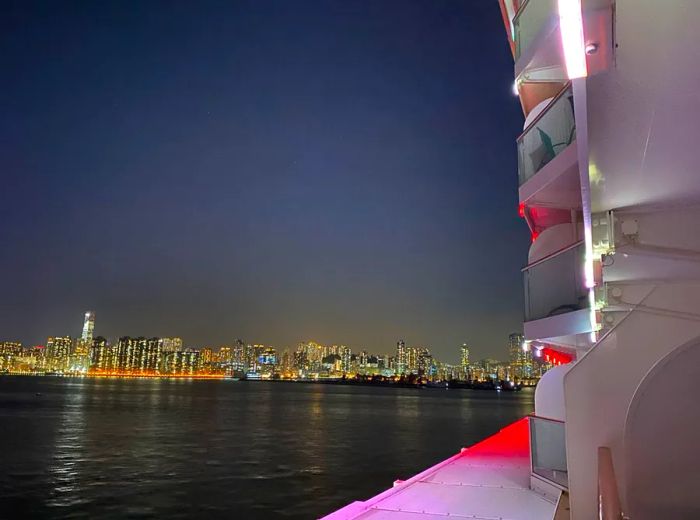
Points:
[(521, 210), (555, 357)]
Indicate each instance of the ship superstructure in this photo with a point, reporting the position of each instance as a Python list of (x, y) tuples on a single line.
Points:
[(609, 185)]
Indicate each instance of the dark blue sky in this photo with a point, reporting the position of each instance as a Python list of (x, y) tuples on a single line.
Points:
[(342, 171)]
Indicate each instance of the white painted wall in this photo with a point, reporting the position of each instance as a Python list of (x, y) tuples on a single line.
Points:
[(642, 120), (643, 113), (661, 438), (549, 393), (598, 389)]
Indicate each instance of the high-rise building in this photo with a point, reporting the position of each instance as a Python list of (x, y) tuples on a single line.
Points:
[(225, 355), (171, 344), (185, 362), (425, 363), (58, 352), (139, 355), (9, 352), (464, 362), (520, 357), (207, 355), (412, 355), (88, 327), (401, 357), (102, 357), (345, 358)]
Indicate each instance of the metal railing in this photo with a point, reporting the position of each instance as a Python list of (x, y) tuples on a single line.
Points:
[(548, 450), (529, 20), (556, 285), (552, 131), (609, 506)]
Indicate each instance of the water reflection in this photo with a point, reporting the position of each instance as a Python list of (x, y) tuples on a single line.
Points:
[(109, 448)]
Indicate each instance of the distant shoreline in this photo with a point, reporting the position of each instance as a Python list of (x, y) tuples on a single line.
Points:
[(440, 385)]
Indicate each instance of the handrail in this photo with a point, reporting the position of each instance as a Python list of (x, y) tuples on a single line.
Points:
[(556, 98), (535, 416), (609, 506), (552, 255)]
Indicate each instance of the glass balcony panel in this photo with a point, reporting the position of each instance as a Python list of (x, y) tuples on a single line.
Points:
[(547, 136), (548, 450), (531, 17), (556, 285)]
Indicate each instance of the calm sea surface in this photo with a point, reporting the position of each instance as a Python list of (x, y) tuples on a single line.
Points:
[(110, 448)]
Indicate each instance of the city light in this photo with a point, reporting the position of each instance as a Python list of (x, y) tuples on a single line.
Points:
[(141, 357)]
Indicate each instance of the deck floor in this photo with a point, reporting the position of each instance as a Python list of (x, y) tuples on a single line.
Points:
[(489, 480)]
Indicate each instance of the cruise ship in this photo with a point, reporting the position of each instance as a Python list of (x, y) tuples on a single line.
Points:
[(609, 185)]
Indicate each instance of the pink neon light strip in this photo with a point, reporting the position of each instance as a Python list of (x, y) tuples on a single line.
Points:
[(571, 28)]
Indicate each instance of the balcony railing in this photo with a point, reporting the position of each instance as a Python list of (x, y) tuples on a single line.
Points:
[(555, 284), (529, 20), (547, 136), (548, 450)]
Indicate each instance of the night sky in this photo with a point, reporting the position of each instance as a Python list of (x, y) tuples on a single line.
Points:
[(275, 171)]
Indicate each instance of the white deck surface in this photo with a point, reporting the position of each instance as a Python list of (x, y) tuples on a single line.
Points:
[(490, 480)]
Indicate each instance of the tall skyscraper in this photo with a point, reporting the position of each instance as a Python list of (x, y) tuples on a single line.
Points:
[(519, 356), (88, 327), (238, 356), (401, 357), (464, 361)]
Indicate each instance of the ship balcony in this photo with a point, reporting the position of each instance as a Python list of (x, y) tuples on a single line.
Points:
[(547, 156), (557, 302), (537, 39)]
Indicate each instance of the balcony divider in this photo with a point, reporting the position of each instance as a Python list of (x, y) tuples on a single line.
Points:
[(548, 450)]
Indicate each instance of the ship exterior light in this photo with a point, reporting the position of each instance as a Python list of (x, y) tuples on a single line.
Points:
[(571, 28)]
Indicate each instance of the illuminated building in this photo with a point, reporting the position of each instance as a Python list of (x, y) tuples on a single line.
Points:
[(267, 360), (238, 356), (225, 355), (58, 352), (464, 361), (9, 351), (362, 358), (401, 357), (139, 355), (207, 355), (412, 354), (102, 358), (28, 360), (424, 364), (520, 357), (309, 357), (286, 361), (345, 359), (250, 358), (171, 344), (12, 348), (88, 327), (185, 362)]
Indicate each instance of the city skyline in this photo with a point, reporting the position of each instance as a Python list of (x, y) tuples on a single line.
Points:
[(96, 356), (271, 170), (85, 339)]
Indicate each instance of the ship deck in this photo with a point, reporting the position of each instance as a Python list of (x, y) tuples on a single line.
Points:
[(489, 480)]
